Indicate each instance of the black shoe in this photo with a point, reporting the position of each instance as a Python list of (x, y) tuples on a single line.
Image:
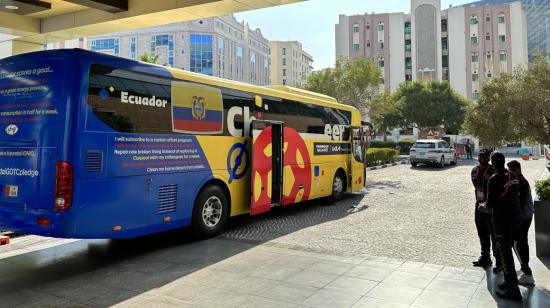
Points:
[(483, 262), (503, 286), (497, 269), (510, 294)]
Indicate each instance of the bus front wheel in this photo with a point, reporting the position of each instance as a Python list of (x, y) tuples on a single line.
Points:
[(211, 212), (338, 186)]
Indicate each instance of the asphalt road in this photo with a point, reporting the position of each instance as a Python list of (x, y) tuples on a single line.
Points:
[(421, 214)]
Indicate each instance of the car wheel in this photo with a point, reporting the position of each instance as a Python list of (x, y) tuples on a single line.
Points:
[(442, 162), (211, 212), (338, 186), (414, 164)]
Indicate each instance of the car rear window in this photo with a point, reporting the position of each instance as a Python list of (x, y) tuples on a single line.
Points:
[(424, 145)]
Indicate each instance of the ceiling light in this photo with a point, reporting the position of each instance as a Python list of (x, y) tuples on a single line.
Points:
[(11, 7)]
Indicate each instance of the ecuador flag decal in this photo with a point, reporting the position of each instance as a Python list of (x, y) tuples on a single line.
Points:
[(196, 109)]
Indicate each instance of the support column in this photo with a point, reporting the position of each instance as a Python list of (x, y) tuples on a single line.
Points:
[(15, 47)]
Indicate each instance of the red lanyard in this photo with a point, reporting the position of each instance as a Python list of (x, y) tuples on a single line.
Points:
[(507, 187)]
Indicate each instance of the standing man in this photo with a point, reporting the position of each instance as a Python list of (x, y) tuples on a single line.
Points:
[(503, 202), (480, 176), (468, 148), (521, 245)]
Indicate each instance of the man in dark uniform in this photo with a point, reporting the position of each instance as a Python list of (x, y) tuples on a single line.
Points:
[(480, 175), (503, 202), (468, 148)]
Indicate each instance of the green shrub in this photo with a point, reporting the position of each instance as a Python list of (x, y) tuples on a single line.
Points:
[(382, 144), (380, 156), (542, 188), (405, 146)]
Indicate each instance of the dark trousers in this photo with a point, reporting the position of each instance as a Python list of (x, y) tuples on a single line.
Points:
[(521, 245), (505, 242), (469, 153), (486, 236)]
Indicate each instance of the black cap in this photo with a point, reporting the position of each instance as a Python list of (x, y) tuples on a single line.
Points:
[(485, 152)]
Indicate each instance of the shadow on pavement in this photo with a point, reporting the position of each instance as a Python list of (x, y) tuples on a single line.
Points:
[(106, 272)]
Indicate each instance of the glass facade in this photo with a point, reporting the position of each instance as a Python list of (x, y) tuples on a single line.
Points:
[(109, 46), (201, 54), (221, 56), (163, 40)]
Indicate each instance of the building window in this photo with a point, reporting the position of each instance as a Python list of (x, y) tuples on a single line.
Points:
[(356, 28), (381, 62), (368, 26), (108, 46), (284, 61), (473, 20), (408, 28), (408, 77), (380, 27), (445, 43), (284, 82), (489, 75), (488, 37), (502, 38), (380, 46), (221, 56), (201, 54), (473, 40), (355, 47), (408, 46), (488, 18), (239, 55), (444, 27), (475, 57), (368, 43), (503, 56), (133, 47), (284, 72), (501, 20), (408, 63), (284, 51), (475, 96), (475, 77), (160, 41)]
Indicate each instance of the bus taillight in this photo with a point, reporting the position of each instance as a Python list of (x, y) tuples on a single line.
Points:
[(63, 186)]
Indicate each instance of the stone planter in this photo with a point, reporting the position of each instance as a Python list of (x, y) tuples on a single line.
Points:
[(542, 228)]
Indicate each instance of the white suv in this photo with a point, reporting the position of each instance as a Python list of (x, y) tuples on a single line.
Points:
[(435, 152)]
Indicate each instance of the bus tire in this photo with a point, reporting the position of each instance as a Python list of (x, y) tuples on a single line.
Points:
[(211, 212), (338, 185)]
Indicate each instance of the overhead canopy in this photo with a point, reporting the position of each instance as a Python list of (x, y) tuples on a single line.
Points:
[(39, 22)]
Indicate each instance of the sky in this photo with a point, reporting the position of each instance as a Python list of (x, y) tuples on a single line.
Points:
[(312, 22)]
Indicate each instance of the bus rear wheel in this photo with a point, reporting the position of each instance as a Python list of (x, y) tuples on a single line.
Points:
[(338, 186), (211, 212)]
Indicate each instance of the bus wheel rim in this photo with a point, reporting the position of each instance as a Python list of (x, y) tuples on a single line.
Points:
[(338, 185), (212, 211)]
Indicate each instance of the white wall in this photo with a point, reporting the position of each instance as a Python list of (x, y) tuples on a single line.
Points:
[(397, 50), (457, 50), (518, 21), (342, 37)]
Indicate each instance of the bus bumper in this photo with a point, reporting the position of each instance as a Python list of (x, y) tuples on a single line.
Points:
[(30, 221)]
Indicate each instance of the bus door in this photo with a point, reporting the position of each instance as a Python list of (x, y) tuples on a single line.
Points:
[(267, 166), (357, 174)]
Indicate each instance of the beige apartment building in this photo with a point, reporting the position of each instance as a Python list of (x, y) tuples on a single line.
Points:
[(465, 45), (217, 46), (290, 64)]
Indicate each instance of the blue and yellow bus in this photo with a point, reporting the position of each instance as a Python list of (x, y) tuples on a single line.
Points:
[(95, 146)]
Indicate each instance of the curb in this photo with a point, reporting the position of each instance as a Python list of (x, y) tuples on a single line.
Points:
[(386, 166)]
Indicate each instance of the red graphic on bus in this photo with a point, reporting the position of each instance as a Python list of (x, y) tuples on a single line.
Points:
[(296, 160)]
